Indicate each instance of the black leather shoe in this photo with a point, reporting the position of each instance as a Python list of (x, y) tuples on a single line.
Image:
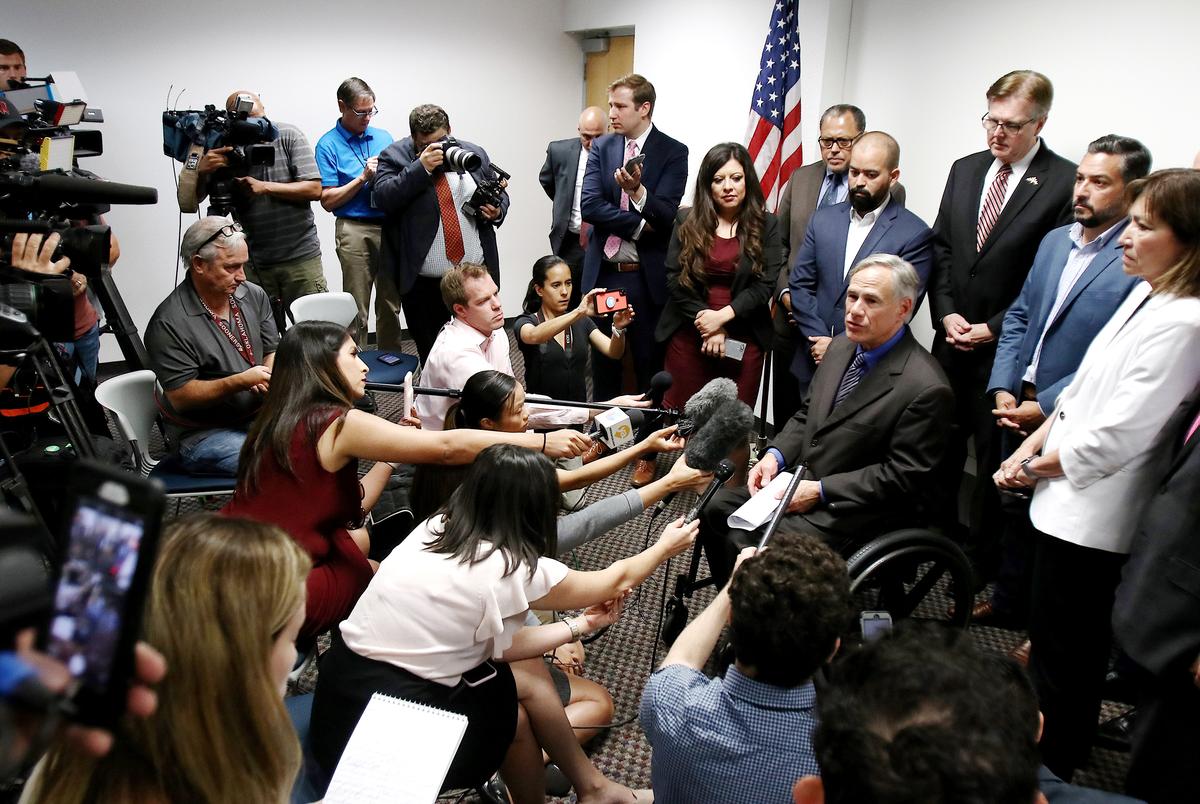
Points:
[(1116, 733), (557, 783), (493, 791)]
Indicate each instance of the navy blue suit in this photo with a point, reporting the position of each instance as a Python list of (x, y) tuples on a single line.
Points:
[(664, 176), (817, 283), (404, 190), (1089, 305)]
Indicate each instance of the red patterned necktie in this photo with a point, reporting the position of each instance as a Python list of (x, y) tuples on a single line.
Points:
[(992, 205), (451, 228)]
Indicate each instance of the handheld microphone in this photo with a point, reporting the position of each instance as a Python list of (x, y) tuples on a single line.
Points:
[(660, 383), (700, 407), (725, 470)]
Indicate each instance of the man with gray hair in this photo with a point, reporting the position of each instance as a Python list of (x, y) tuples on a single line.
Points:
[(211, 344), (868, 438)]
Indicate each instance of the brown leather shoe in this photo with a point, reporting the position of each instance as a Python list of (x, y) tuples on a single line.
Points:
[(982, 613), (644, 472), (596, 450), (1021, 653)]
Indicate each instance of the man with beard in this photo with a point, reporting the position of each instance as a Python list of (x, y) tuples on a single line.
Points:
[(1073, 289), (840, 235)]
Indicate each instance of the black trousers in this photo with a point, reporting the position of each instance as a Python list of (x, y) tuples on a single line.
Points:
[(1071, 632), (344, 687), (647, 352), (786, 392), (1166, 740), (424, 313), (968, 374)]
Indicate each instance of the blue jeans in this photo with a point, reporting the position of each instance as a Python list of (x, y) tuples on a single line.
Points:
[(86, 351), (212, 452)]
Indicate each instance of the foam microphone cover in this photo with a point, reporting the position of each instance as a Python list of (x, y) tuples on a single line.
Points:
[(700, 407), (728, 426), (659, 384), (636, 418)]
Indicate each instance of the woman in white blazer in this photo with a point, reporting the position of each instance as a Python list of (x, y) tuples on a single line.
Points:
[(1086, 463)]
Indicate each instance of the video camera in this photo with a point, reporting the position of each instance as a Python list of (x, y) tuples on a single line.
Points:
[(187, 135)]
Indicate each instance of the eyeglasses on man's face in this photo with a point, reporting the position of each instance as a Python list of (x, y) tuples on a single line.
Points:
[(841, 142), (990, 124), (374, 110)]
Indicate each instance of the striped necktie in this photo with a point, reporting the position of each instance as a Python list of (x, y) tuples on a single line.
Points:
[(854, 373), (992, 205)]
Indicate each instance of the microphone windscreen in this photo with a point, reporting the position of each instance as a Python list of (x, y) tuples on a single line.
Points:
[(636, 418), (660, 383), (728, 426), (700, 407)]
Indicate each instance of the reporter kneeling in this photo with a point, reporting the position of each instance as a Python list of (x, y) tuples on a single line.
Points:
[(226, 602), (299, 466), (442, 623)]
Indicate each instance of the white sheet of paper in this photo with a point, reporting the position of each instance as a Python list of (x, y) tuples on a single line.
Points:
[(758, 509), (399, 753)]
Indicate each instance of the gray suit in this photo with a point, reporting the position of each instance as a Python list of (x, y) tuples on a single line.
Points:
[(796, 206), (876, 454), (557, 177)]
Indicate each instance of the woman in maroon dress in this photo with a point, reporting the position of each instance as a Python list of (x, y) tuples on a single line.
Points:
[(299, 466), (722, 264)]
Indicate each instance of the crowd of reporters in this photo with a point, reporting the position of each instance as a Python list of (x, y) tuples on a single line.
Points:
[(282, 413)]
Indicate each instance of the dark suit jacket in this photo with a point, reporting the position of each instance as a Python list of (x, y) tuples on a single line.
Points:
[(664, 175), (558, 180), (404, 191), (1089, 305), (816, 282), (980, 285), (796, 205), (876, 454), (1156, 616), (751, 293)]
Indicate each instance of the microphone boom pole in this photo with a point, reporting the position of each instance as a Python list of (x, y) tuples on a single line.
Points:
[(455, 393)]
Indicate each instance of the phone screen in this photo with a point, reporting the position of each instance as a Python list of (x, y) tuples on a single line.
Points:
[(875, 625), (89, 605)]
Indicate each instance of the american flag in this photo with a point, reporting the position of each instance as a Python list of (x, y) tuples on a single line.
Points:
[(773, 135)]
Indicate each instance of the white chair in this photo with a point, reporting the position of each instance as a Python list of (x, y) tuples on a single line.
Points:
[(340, 308), (130, 399)]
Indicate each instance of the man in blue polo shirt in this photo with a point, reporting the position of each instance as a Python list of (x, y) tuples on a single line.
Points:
[(347, 156)]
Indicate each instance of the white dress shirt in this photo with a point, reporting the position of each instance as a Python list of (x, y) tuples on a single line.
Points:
[(437, 617), (576, 221), (460, 352), (1018, 172), (860, 227), (462, 187)]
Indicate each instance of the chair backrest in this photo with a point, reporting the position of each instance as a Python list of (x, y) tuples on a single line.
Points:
[(336, 306), (130, 399)]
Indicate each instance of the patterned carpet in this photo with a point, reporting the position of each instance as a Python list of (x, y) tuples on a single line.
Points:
[(621, 658)]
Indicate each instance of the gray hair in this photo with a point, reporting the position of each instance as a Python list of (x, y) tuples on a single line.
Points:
[(200, 231), (905, 281)]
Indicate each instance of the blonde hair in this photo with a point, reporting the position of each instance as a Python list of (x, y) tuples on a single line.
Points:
[(223, 590), (1028, 84)]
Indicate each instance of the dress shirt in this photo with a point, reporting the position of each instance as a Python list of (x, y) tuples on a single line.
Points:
[(726, 740), (627, 251), (462, 187), (437, 617), (843, 190), (1018, 172), (860, 228), (1078, 260), (460, 352), (576, 220)]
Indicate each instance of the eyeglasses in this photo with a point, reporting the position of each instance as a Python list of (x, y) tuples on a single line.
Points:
[(842, 142), (374, 110), (227, 230), (991, 124)]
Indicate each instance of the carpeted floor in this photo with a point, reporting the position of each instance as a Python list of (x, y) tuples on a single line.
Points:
[(621, 659)]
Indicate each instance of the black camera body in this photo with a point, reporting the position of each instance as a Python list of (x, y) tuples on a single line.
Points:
[(488, 191)]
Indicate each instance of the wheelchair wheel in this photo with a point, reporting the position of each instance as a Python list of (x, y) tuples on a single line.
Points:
[(912, 573)]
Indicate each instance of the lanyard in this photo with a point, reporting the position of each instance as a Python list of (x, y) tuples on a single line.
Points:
[(242, 341), (567, 345)]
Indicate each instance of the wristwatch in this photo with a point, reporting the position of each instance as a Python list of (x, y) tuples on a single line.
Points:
[(1025, 467)]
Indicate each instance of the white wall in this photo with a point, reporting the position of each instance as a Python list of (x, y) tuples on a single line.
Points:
[(505, 72)]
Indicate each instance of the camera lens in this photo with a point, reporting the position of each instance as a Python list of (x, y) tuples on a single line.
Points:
[(610, 302), (459, 159)]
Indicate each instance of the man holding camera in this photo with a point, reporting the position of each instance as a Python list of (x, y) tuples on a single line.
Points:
[(273, 206), (427, 185), (211, 344)]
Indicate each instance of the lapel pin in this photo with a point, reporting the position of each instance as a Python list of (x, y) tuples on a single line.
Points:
[(1032, 180)]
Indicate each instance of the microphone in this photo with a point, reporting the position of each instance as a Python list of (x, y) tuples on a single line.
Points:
[(700, 407), (53, 187), (727, 426), (660, 383), (725, 470)]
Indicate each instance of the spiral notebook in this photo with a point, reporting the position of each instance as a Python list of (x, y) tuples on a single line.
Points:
[(399, 752)]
